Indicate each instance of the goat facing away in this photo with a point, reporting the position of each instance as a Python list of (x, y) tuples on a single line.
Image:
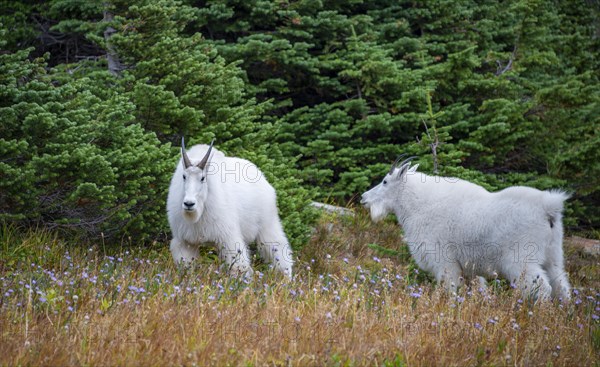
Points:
[(226, 201), (458, 230)]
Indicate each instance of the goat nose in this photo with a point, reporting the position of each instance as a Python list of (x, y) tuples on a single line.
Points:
[(189, 204)]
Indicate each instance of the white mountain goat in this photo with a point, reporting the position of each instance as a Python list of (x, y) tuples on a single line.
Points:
[(458, 230), (226, 201)]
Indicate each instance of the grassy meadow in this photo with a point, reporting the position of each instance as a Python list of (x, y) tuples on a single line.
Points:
[(352, 303)]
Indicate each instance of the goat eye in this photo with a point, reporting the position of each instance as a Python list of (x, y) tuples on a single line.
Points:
[(202, 179), (384, 182), (184, 177)]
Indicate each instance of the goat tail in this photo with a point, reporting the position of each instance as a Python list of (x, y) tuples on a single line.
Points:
[(553, 203), (554, 264)]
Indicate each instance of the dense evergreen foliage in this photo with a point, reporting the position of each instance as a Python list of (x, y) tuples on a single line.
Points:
[(91, 150), (507, 92), (73, 155), (322, 95)]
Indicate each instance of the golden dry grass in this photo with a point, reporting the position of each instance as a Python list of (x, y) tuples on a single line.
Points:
[(349, 305)]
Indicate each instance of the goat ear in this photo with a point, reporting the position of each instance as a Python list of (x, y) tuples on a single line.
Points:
[(403, 169), (406, 168)]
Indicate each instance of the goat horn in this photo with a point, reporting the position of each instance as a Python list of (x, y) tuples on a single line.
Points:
[(395, 163), (204, 160), (186, 159)]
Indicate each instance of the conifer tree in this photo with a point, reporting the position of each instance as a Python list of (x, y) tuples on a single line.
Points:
[(168, 85), (351, 100), (499, 93), (73, 157)]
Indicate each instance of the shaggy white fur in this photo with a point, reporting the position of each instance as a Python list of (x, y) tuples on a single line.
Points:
[(458, 230), (226, 201)]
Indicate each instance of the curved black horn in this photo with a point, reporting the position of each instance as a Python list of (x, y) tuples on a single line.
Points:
[(204, 160), (395, 163), (186, 159)]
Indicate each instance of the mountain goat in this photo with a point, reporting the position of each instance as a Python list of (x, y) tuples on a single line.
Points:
[(458, 230), (226, 201)]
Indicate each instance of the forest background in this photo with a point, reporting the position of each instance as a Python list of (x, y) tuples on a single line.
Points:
[(322, 95)]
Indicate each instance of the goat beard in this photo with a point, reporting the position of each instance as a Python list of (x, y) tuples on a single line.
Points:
[(192, 216), (378, 212)]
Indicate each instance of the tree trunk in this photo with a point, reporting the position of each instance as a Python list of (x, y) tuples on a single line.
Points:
[(114, 65)]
